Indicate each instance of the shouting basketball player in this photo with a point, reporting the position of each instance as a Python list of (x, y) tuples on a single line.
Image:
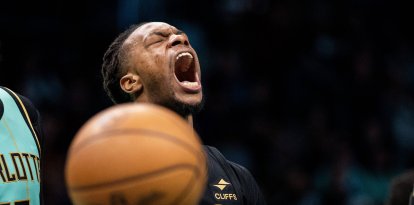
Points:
[(20, 150), (154, 62)]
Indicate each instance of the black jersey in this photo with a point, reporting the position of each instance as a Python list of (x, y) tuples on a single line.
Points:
[(229, 183)]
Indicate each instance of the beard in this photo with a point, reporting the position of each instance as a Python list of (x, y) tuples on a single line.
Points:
[(183, 109), (161, 94)]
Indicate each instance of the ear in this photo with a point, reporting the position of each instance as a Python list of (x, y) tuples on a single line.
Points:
[(131, 83)]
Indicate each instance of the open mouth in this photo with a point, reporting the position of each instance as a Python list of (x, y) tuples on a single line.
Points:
[(185, 71)]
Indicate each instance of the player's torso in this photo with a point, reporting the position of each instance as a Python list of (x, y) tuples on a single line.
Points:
[(220, 188), (19, 154)]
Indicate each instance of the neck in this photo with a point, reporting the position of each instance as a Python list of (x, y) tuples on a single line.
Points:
[(188, 118)]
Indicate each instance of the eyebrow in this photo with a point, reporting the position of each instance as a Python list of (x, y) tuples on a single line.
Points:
[(165, 34), (179, 32)]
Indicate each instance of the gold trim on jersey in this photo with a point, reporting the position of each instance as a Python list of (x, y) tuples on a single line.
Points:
[(27, 117)]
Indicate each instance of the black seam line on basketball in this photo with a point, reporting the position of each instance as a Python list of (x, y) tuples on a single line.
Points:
[(113, 133), (134, 178), (190, 184)]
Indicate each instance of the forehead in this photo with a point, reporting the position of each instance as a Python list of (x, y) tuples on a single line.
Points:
[(148, 28)]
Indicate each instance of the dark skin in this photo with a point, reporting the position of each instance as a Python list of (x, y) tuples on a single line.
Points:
[(162, 68)]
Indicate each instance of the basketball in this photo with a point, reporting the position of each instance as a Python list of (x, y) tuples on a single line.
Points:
[(136, 153)]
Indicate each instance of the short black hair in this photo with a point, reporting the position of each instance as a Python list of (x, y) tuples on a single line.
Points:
[(113, 63)]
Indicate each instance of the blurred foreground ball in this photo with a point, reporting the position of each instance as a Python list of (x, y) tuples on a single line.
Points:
[(136, 153)]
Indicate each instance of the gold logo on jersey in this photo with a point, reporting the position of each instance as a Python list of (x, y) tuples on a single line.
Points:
[(222, 184)]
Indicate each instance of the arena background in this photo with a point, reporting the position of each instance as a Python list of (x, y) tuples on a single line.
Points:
[(314, 97)]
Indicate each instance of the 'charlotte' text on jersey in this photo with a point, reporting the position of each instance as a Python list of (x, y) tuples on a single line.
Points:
[(19, 167)]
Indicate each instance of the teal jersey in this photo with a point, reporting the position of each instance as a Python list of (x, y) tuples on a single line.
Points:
[(19, 153)]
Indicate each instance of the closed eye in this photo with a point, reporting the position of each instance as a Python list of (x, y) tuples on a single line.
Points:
[(163, 34), (157, 41)]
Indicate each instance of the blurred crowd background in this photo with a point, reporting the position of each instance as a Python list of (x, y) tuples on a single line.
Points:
[(315, 98)]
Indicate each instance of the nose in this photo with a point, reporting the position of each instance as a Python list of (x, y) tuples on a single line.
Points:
[(178, 40)]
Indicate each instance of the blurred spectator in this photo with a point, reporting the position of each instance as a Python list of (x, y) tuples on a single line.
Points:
[(401, 189)]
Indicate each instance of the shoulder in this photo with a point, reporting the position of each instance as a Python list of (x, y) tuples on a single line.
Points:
[(247, 184), (219, 156), (242, 173), (28, 110), (22, 102), (32, 111)]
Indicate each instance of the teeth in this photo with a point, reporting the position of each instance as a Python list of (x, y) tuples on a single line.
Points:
[(184, 54), (190, 84)]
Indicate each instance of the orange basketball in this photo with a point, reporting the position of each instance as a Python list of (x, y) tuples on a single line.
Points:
[(136, 153)]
